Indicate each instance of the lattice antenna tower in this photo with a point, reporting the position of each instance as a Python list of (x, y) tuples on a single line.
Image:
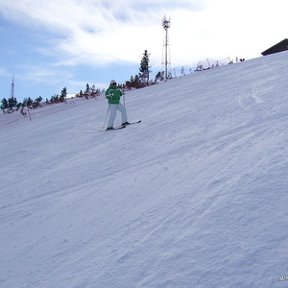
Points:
[(12, 88), (166, 25)]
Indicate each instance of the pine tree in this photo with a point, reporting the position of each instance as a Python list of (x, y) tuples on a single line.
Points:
[(29, 102), (87, 89), (4, 105), (12, 103), (159, 76), (55, 99), (63, 94), (37, 102), (137, 82), (144, 68)]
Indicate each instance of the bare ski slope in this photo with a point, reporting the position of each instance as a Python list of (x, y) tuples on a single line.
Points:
[(194, 196)]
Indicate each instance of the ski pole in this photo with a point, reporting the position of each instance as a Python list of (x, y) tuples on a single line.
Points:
[(123, 94), (29, 114)]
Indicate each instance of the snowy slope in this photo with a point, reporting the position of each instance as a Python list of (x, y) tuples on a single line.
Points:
[(194, 196)]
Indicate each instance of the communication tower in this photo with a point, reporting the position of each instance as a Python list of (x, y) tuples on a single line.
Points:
[(167, 61), (12, 88)]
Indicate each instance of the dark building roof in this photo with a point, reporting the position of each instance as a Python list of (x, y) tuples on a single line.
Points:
[(279, 47)]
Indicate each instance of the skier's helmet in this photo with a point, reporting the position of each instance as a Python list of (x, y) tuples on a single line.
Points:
[(112, 82)]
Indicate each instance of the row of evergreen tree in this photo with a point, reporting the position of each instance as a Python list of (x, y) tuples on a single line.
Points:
[(140, 80), (11, 104)]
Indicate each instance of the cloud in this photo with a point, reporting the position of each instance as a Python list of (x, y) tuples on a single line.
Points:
[(97, 32), (101, 32)]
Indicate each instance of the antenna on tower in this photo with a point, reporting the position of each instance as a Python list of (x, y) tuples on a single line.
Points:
[(166, 26)]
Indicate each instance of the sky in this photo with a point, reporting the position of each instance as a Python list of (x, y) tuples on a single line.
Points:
[(49, 45)]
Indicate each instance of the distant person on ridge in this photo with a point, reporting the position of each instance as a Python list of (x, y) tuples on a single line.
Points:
[(113, 94)]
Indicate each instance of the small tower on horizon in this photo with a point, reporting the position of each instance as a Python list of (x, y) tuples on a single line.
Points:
[(12, 88), (166, 26)]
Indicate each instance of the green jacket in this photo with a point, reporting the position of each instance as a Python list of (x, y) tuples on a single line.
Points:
[(113, 94)]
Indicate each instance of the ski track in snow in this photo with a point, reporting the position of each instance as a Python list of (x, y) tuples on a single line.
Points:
[(193, 196)]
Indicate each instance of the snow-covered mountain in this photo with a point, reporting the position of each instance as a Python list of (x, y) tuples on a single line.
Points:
[(194, 196)]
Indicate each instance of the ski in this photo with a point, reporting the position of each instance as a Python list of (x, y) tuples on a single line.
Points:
[(116, 128), (124, 126), (132, 123)]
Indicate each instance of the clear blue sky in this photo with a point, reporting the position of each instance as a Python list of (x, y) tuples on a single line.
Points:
[(49, 45)]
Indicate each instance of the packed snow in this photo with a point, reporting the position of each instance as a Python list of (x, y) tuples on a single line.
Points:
[(193, 196)]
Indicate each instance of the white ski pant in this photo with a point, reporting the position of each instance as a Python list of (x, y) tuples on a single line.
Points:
[(112, 114)]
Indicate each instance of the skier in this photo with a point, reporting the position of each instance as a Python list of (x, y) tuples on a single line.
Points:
[(113, 95)]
